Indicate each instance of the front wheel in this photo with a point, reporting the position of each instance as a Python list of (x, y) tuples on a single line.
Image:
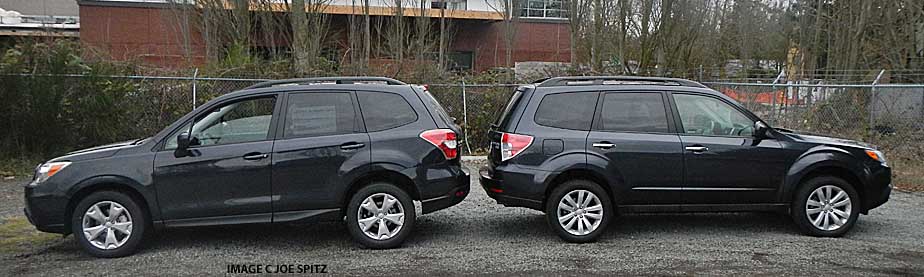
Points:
[(108, 224), (380, 216), (825, 207), (579, 211)]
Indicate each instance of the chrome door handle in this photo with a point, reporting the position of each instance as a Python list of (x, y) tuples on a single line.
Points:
[(697, 148), (256, 156), (603, 145), (351, 146)]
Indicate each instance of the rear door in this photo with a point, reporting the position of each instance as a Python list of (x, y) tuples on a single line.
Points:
[(634, 134), (320, 140)]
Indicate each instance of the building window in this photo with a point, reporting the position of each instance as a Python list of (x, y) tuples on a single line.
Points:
[(544, 9), (449, 4)]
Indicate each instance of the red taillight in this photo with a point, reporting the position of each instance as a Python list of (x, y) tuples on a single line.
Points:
[(512, 144), (444, 139)]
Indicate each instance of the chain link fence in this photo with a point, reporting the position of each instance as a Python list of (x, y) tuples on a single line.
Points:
[(890, 116)]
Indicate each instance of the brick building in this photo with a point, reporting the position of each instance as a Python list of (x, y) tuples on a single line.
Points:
[(148, 30)]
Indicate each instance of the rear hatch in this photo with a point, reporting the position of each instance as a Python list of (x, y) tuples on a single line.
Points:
[(506, 123)]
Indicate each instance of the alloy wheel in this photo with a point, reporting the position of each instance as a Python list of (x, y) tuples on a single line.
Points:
[(381, 216), (580, 212), (107, 225), (828, 208)]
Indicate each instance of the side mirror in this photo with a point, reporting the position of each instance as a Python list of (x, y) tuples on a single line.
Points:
[(760, 129), (182, 145)]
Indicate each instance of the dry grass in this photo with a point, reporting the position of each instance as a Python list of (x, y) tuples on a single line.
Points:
[(18, 236), (908, 176)]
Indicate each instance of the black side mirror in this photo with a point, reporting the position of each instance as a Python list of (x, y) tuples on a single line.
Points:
[(182, 145), (760, 130)]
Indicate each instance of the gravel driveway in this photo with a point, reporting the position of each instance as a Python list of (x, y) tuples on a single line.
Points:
[(479, 236)]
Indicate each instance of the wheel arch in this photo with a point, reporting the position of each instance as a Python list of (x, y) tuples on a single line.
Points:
[(110, 183), (585, 173), (382, 172), (835, 163)]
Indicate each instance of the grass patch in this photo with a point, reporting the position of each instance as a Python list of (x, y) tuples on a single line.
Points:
[(17, 236), (15, 167)]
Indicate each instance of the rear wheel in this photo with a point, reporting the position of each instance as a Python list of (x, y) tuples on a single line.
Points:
[(108, 224), (380, 216), (825, 206), (579, 211)]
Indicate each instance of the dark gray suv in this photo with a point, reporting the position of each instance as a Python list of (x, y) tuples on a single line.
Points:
[(583, 149), (359, 148)]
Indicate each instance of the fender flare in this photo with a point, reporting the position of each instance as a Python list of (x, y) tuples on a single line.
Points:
[(816, 158)]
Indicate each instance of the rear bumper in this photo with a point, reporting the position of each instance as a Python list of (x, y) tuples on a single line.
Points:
[(448, 199), (497, 190)]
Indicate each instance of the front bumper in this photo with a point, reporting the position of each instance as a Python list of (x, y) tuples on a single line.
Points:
[(45, 210), (450, 198), (878, 188)]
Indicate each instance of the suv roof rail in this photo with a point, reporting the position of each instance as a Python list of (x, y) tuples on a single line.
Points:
[(617, 80), (328, 80)]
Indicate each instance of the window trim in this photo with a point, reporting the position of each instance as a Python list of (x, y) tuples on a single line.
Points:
[(593, 113), (409, 105), (358, 124), (598, 117), (270, 134), (679, 122)]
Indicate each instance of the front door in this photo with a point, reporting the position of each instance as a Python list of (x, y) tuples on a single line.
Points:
[(724, 162), (633, 132), (226, 175)]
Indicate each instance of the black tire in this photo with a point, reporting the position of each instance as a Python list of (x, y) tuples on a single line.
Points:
[(574, 186), (139, 225), (798, 210), (353, 210)]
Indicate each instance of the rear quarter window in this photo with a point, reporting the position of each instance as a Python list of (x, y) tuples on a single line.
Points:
[(384, 110), (573, 110)]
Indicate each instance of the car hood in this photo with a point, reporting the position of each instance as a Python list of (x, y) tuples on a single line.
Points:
[(98, 152), (816, 139)]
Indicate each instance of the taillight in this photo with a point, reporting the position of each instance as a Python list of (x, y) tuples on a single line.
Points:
[(444, 139), (512, 144)]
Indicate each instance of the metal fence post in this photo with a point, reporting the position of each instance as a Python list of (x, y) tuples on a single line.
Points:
[(195, 74), (872, 98), (775, 95), (465, 118)]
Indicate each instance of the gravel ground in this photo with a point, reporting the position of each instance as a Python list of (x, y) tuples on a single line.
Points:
[(479, 236)]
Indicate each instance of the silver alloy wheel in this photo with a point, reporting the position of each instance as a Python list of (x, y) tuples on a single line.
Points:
[(109, 229), (580, 212), (381, 216), (828, 207)]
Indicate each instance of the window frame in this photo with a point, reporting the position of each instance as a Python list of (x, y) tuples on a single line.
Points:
[(668, 113), (593, 111), (358, 124), (679, 122), (363, 115), (270, 134)]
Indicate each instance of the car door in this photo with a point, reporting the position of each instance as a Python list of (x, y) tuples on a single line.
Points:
[(226, 174), (321, 139), (635, 134), (724, 162)]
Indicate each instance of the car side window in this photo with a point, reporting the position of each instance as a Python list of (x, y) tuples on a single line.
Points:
[(633, 112), (236, 122), (319, 114), (383, 110), (704, 115), (573, 110)]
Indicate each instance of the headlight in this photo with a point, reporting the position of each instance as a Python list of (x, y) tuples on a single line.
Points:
[(876, 155), (49, 169)]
